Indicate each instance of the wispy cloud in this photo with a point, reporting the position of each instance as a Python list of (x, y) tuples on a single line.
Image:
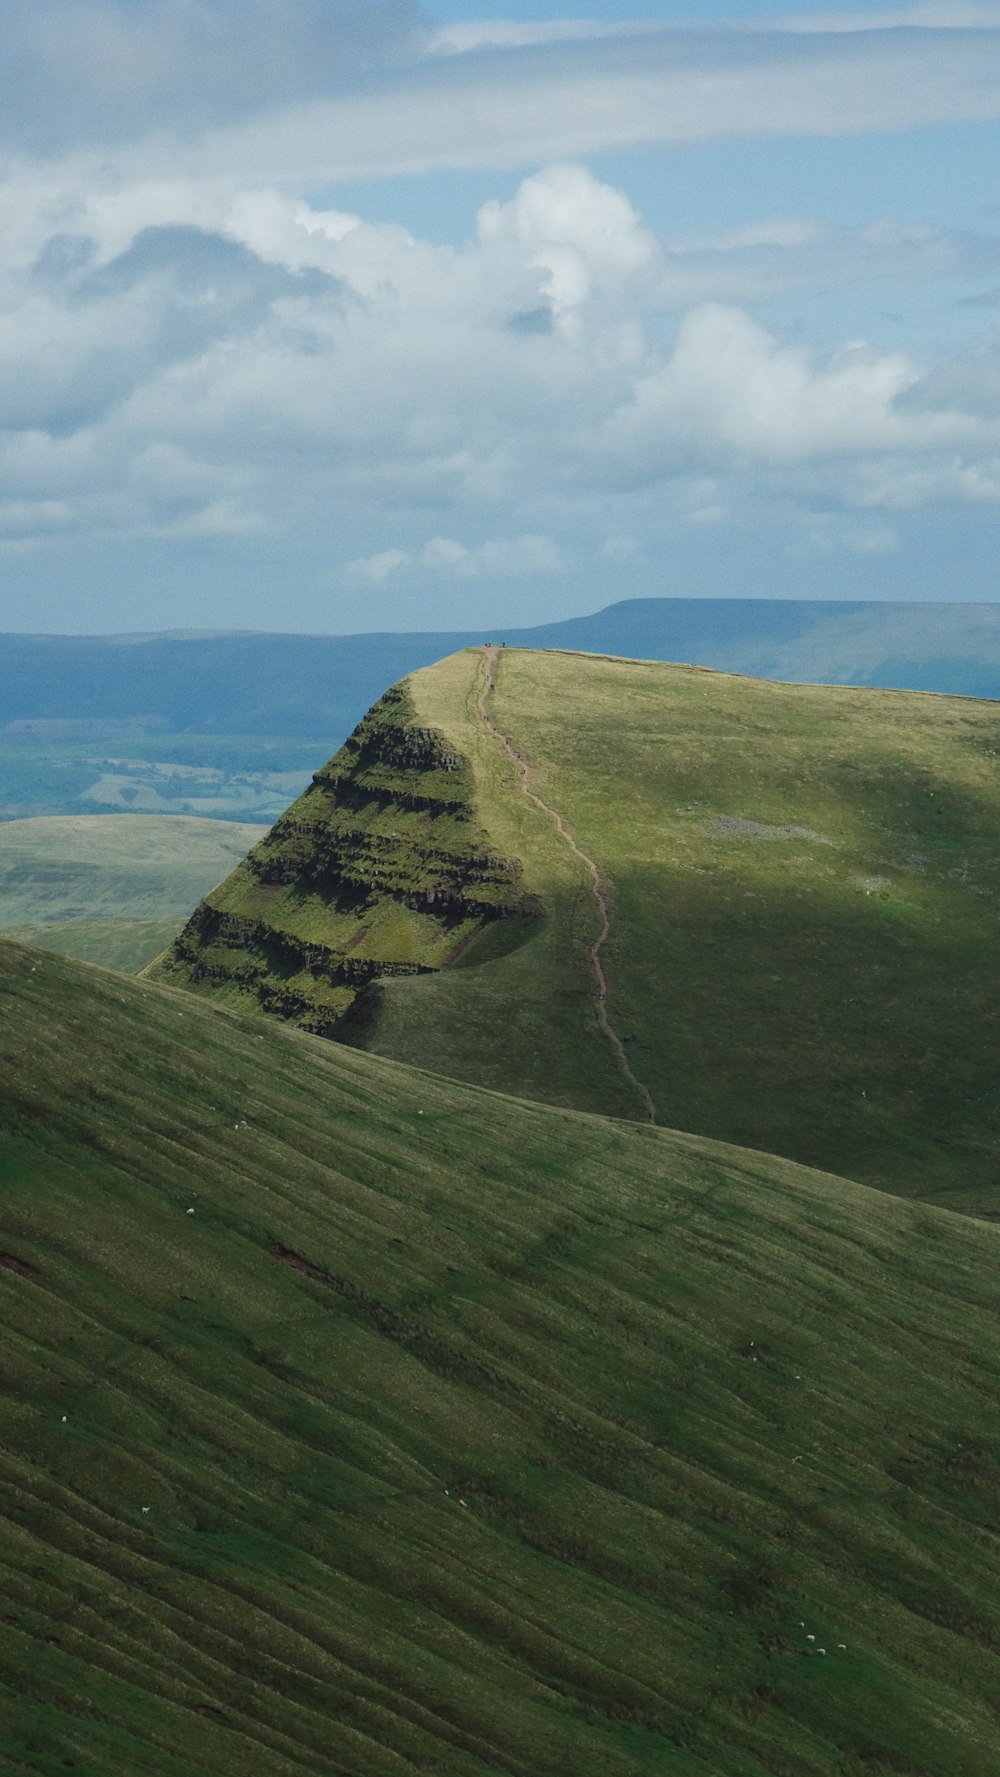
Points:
[(558, 101), (304, 91), (105, 72)]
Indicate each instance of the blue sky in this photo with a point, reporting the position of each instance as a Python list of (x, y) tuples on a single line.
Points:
[(334, 315)]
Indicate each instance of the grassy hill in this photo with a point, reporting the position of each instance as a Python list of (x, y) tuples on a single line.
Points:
[(107, 889), (460, 1434), (801, 887)]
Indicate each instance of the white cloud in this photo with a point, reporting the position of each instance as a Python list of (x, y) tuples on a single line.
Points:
[(731, 392), (949, 480), (28, 518), (109, 71), (222, 362), (378, 567), (773, 257), (583, 235), (559, 101), (498, 558), (171, 91), (951, 15), (465, 37)]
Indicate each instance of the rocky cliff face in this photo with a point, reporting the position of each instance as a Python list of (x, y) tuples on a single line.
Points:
[(380, 868)]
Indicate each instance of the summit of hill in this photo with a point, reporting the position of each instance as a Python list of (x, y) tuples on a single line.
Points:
[(763, 912)]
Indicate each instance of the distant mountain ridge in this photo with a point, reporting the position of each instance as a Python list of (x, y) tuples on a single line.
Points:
[(270, 684)]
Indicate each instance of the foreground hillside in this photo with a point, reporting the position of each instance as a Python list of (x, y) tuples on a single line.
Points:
[(800, 886), (355, 1421), (110, 889)]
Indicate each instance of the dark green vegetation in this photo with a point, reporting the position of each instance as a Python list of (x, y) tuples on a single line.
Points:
[(110, 890), (379, 869), (699, 1404), (202, 722), (803, 882)]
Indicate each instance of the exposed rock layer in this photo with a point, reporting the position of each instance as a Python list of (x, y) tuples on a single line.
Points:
[(380, 868)]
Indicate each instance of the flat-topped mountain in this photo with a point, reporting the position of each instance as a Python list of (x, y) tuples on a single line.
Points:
[(354, 1420), (763, 912)]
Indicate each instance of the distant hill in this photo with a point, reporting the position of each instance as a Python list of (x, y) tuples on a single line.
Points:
[(307, 685), (229, 726), (355, 1421), (801, 886), (107, 889)]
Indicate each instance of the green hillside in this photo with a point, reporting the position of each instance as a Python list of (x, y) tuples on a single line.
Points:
[(110, 889), (451, 1433), (380, 869), (125, 944), (801, 886)]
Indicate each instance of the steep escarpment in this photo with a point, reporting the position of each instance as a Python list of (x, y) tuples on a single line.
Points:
[(381, 868)]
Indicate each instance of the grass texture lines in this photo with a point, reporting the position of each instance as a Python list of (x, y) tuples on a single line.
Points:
[(356, 1421)]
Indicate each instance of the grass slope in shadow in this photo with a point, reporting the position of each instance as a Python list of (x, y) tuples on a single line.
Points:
[(450, 1432)]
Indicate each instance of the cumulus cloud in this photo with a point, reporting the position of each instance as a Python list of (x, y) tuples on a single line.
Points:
[(84, 334), (184, 361), (498, 558), (731, 391)]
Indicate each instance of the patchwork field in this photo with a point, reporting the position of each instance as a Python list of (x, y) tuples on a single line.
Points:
[(51, 766), (356, 1421)]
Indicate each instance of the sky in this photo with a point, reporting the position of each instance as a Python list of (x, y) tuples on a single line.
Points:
[(348, 315)]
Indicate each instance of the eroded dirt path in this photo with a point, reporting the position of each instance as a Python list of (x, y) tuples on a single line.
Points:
[(598, 889)]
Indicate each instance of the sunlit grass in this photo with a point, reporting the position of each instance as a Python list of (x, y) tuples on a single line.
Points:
[(804, 949)]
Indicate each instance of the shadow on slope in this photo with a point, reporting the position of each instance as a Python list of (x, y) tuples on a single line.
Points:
[(453, 1431)]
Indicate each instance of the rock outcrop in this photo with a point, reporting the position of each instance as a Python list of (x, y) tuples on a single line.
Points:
[(381, 868)]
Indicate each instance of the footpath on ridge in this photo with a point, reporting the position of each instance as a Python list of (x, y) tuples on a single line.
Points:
[(597, 885)]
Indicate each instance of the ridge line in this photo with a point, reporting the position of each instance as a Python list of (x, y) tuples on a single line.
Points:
[(598, 889)]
